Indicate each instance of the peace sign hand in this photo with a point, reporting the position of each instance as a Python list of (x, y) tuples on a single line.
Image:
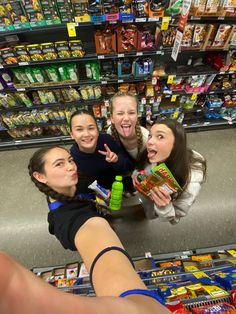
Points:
[(110, 156)]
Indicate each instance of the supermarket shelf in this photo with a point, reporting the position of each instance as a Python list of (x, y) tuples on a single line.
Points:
[(51, 106), (135, 20), (116, 81), (96, 101), (34, 142), (208, 124), (95, 56), (64, 140)]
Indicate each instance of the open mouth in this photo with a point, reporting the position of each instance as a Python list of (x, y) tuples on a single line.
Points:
[(126, 129), (152, 154)]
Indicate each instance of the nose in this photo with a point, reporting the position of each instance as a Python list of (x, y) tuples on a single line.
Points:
[(70, 167), (126, 116)]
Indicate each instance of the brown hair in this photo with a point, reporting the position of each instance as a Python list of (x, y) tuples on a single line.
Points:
[(138, 130), (37, 164), (182, 159)]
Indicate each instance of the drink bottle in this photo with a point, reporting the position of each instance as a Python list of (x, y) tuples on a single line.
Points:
[(116, 193)]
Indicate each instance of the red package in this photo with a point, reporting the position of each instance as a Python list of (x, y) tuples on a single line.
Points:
[(177, 308)]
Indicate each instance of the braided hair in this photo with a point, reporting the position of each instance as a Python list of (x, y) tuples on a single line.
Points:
[(138, 130), (36, 164)]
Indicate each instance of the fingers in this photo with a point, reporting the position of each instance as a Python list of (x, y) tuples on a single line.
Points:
[(102, 152), (160, 197), (107, 148), (110, 156)]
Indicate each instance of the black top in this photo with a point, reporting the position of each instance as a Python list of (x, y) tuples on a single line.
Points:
[(95, 167), (67, 218)]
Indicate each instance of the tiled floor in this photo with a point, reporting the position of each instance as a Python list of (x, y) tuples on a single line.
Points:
[(211, 221)]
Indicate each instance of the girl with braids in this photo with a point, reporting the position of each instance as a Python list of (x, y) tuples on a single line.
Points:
[(77, 226), (127, 131), (97, 155), (167, 143)]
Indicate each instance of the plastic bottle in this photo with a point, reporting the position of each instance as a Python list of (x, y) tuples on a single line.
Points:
[(116, 194)]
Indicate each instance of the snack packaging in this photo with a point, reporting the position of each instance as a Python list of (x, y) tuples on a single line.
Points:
[(160, 176)]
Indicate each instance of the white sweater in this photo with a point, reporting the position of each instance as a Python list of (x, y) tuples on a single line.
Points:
[(179, 207)]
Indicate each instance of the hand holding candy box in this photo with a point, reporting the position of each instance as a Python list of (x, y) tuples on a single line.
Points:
[(160, 177)]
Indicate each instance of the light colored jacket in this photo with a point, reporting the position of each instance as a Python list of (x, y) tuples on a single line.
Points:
[(179, 207)]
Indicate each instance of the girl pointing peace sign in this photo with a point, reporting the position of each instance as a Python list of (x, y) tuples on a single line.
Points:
[(97, 156)]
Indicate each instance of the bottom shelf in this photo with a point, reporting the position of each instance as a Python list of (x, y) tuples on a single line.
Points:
[(190, 280)]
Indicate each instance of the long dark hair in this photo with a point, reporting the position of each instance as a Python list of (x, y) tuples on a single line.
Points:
[(182, 159), (80, 113), (138, 130), (37, 164)]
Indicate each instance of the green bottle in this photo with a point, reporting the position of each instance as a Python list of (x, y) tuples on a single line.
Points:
[(116, 193)]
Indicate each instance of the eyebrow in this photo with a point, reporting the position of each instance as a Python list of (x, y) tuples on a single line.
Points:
[(160, 132), (57, 160)]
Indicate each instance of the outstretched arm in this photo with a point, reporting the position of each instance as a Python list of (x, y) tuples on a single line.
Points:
[(22, 292)]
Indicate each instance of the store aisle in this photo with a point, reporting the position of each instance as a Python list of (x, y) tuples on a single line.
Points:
[(211, 221)]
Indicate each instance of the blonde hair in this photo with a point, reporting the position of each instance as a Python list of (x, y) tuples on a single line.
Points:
[(138, 130)]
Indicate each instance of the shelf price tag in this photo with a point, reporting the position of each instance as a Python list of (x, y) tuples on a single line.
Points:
[(71, 29), (173, 98), (194, 96), (165, 23), (170, 79)]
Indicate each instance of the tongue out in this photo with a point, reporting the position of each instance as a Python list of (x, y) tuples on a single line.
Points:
[(126, 130), (151, 154)]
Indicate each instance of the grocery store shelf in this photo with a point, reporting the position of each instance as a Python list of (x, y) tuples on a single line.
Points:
[(51, 106), (57, 27), (64, 140)]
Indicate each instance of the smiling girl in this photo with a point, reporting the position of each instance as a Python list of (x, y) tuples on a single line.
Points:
[(97, 155), (167, 143)]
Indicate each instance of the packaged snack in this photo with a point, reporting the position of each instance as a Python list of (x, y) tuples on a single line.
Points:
[(49, 51), (188, 35), (168, 36), (216, 308), (222, 35), (8, 55), (18, 15), (63, 49), (161, 177), (52, 73), (76, 48), (22, 54), (35, 52), (199, 35), (72, 270)]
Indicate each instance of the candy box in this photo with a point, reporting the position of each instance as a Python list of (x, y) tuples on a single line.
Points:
[(160, 177)]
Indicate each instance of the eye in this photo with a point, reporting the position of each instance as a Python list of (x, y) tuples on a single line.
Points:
[(71, 160), (160, 136), (59, 164)]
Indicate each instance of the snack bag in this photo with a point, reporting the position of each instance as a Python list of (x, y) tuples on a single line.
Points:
[(161, 177)]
